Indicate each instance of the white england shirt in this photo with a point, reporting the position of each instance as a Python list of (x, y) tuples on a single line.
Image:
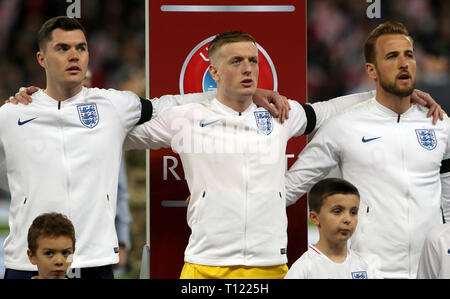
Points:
[(313, 264)]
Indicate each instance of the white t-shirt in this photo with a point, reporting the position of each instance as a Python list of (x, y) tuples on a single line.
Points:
[(435, 259), (313, 264)]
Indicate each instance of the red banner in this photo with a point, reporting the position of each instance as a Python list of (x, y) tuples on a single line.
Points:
[(180, 31)]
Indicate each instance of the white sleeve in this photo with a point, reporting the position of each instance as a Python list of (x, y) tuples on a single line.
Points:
[(445, 180), (445, 197), (168, 101), (327, 109), (127, 105), (154, 134), (429, 266), (3, 171), (302, 119), (316, 160)]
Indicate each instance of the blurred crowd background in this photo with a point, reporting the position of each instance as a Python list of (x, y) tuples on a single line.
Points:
[(116, 35), (337, 30)]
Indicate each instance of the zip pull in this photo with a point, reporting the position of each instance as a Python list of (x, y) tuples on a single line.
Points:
[(398, 118)]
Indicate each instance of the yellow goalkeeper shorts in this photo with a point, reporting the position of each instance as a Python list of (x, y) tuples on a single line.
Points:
[(194, 271)]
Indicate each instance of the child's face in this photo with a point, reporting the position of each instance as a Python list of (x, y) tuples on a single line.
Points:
[(338, 217), (53, 256)]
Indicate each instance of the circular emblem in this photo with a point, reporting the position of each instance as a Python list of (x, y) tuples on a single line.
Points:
[(195, 76)]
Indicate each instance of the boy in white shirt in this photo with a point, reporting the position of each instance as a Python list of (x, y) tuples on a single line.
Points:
[(334, 205)]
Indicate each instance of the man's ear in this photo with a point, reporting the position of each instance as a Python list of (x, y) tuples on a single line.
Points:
[(371, 71), (214, 72), (41, 59)]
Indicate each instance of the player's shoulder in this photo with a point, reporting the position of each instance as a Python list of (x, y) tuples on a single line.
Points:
[(12, 109), (108, 94), (362, 108), (446, 121), (360, 112), (187, 111)]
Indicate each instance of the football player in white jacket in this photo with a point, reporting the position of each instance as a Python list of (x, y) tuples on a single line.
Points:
[(233, 155), (391, 152)]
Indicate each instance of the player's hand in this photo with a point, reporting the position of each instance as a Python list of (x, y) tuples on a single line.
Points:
[(425, 99), (23, 96), (275, 103)]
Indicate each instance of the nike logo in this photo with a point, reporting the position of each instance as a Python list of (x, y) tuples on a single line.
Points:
[(21, 123), (203, 124), (364, 140)]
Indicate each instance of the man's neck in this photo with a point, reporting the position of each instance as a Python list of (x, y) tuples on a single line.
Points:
[(60, 93), (237, 104), (395, 103)]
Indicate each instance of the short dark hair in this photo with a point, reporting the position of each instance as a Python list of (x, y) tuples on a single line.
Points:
[(388, 27), (326, 188), (228, 37), (61, 22), (50, 225)]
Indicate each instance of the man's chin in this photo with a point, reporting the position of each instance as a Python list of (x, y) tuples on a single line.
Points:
[(403, 93), (399, 92)]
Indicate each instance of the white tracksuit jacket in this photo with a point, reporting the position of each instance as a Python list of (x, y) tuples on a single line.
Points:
[(234, 164), (435, 259), (395, 162), (65, 158)]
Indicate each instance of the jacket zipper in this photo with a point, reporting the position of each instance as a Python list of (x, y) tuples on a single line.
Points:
[(407, 193), (64, 158), (245, 177)]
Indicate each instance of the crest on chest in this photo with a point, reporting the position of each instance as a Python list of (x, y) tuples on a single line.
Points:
[(427, 138), (264, 122), (88, 114)]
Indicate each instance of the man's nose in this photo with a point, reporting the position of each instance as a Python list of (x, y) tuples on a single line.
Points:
[(74, 55), (246, 67), (403, 62)]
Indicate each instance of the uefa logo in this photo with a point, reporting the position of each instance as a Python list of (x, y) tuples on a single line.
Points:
[(195, 76)]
